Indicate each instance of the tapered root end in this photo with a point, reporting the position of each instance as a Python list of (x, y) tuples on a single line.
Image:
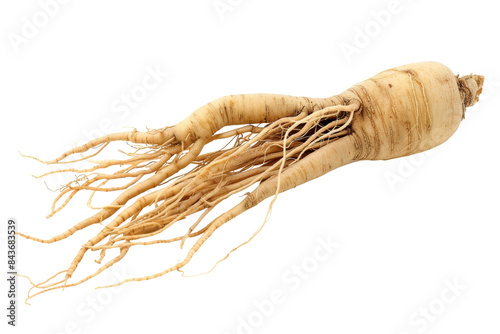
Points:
[(470, 87)]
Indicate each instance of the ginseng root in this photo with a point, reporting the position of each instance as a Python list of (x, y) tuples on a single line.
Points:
[(277, 142)]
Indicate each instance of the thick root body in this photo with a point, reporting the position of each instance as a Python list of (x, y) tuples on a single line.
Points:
[(283, 142)]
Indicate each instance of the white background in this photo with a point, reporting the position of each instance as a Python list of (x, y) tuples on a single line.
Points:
[(400, 242)]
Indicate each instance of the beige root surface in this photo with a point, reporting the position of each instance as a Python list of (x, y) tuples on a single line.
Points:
[(251, 155)]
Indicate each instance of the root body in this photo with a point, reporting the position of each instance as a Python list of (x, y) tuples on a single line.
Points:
[(282, 142)]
